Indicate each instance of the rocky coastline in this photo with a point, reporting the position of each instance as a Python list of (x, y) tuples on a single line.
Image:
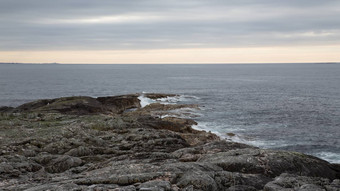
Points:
[(112, 143)]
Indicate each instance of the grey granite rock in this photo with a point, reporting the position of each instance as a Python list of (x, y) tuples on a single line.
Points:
[(270, 163), (302, 183), (84, 143)]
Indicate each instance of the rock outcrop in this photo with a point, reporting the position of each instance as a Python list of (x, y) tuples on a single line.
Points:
[(84, 143), (82, 105), (303, 183)]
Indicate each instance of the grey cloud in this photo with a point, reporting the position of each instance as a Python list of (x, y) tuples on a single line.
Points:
[(144, 24)]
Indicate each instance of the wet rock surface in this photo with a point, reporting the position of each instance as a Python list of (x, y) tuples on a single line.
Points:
[(84, 143)]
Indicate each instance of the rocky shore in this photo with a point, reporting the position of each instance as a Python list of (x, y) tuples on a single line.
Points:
[(112, 143)]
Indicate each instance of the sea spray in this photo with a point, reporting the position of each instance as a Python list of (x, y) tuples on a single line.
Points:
[(144, 101)]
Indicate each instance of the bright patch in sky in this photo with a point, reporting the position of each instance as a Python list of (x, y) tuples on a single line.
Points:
[(257, 28)]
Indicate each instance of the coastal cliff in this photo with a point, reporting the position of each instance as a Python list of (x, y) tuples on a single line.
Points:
[(113, 143)]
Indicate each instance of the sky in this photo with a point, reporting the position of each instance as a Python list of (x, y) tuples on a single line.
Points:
[(169, 31)]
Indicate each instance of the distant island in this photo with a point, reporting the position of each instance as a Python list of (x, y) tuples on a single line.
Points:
[(26, 63), (193, 63), (328, 63)]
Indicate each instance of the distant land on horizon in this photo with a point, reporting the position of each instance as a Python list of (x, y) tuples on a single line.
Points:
[(54, 63), (26, 63)]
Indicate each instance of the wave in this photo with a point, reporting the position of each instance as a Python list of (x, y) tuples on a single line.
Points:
[(329, 156), (228, 132), (144, 101), (176, 99)]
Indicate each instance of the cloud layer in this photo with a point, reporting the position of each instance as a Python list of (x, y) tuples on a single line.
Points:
[(161, 24)]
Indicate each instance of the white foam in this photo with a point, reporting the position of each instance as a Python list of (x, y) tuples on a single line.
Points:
[(169, 100), (191, 97), (187, 112), (167, 115), (222, 131), (205, 127), (215, 128), (176, 99), (144, 101), (239, 138), (329, 156), (254, 142)]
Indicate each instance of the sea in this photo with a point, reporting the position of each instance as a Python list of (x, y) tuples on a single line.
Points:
[(293, 106)]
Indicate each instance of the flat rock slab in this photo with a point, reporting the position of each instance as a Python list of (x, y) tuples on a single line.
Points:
[(271, 163)]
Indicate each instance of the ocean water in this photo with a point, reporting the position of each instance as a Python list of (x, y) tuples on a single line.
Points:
[(279, 106)]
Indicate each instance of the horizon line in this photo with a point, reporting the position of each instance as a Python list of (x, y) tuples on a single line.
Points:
[(219, 63)]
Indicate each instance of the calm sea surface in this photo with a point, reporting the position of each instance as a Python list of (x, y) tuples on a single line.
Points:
[(281, 106)]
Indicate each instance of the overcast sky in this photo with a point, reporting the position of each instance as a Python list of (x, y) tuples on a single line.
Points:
[(139, 25)]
